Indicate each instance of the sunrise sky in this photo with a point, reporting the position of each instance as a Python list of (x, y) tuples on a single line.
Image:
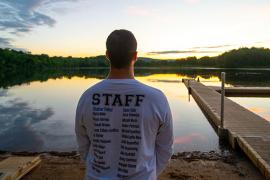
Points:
[(164, 29)]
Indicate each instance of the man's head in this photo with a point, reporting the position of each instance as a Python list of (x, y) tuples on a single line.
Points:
[(121, 48)]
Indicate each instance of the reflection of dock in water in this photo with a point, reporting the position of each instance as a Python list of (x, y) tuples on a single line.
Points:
[(242, 128)]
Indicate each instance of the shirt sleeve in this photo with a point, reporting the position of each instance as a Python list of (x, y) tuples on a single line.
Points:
[(81, 133), (164, 141)]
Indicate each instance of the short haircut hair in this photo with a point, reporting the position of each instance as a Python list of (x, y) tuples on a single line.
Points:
[(121, 46)]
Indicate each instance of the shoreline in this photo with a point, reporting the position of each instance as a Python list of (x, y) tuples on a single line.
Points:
[(183, 165)]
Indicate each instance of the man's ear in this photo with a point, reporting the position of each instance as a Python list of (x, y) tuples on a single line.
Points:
[(107, 55), (135, 56)]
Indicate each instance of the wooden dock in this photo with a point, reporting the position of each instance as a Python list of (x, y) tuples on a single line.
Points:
[(15, 167), (243, 128)]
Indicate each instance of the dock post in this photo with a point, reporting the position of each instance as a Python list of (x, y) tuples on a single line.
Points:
[(223, 134), (222, 99)]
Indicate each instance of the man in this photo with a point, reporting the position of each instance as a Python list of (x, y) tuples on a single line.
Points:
[(123, 127)]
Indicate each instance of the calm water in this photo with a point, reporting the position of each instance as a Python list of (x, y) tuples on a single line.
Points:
[(37, 113)]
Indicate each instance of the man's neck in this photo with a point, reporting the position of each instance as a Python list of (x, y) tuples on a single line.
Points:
[(124, 73)]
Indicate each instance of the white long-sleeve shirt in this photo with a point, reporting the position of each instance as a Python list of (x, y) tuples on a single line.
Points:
[(124, 130)]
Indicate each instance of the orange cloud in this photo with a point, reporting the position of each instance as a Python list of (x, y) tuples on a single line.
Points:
[(267, 117), (257, 110), (188, 138)]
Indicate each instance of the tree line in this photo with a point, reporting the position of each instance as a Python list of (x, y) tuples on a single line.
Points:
[(18, 67), (237, 58), (13, 61)]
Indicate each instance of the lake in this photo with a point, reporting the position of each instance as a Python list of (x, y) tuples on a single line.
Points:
[(37, 111)]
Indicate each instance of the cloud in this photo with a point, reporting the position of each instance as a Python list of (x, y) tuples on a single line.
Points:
[(149, 12), (260, 42), (3, 93), (211, 47), (194, 50), (203, 49), (257, 110), (189, 138), (139, 11), (192, 1), (22, 16), (5, 42), (181, 52), (228, 45), (164, 80), (17, 121)]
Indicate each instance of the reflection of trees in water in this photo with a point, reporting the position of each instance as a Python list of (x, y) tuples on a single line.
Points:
[(28, 76), (16, 131), (249, 78), (234, 76)]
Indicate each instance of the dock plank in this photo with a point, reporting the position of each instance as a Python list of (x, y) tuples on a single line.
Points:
[(250, 131), (15, 167)]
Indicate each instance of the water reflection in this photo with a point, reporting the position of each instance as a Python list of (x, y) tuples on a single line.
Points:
[(258, 105), (189, 138), (17, 119), (37, 112), (3, 92), (234, 77)]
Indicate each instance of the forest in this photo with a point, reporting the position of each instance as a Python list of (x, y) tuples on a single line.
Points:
[(13, 61)]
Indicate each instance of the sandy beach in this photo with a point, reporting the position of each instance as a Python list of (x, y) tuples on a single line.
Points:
[(187, 165)]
